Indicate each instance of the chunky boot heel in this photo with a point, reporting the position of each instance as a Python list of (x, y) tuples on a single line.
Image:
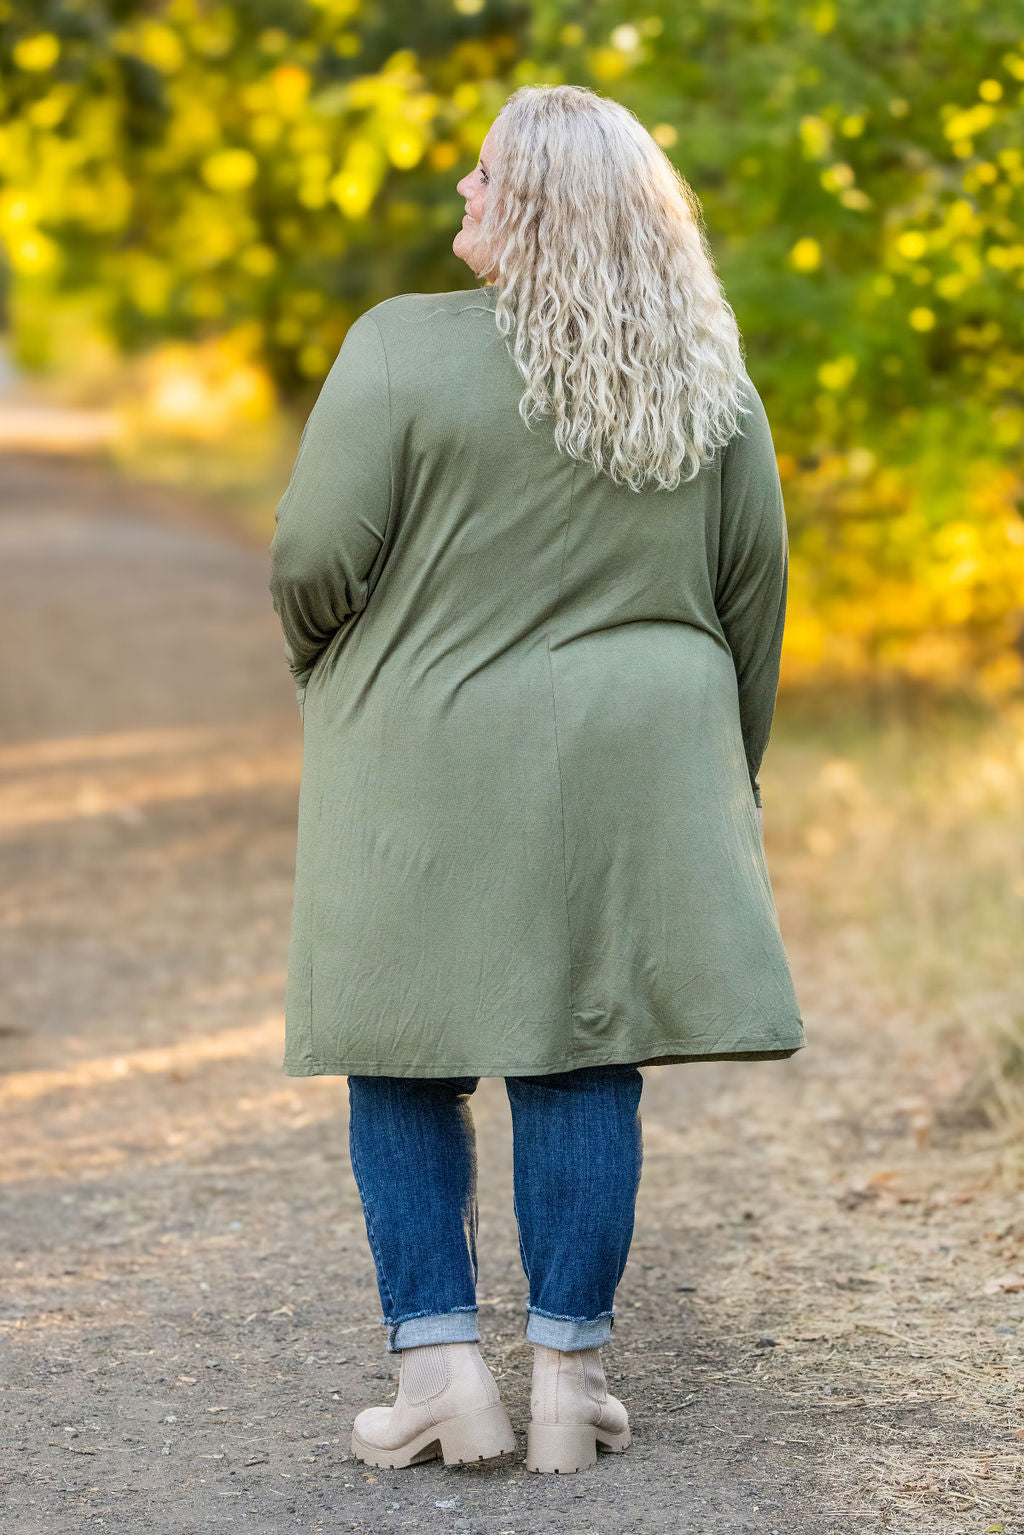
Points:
[(560, 1447), (573, 1413)]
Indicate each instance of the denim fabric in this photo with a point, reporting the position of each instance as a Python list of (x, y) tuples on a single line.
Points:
[(577, 1157)]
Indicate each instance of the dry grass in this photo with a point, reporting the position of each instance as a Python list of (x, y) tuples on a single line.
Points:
[(903, 845)]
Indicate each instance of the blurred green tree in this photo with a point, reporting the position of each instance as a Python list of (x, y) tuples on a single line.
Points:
[(251, 175)]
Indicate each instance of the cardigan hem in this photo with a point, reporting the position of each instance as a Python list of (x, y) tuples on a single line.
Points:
[(665, 1057)]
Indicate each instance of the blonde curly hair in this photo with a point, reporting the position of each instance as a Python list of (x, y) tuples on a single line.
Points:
[(602, 270)]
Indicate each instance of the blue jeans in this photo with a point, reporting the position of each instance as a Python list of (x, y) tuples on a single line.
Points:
[(577, 1154)]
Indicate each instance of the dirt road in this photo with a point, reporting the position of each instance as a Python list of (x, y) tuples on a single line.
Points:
[(818, 1331)]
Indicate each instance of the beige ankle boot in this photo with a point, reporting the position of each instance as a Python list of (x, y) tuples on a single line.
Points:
[(572, 1411), (447, 1404)]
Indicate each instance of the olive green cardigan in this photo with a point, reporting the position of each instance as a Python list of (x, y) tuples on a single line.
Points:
[(535, 704)]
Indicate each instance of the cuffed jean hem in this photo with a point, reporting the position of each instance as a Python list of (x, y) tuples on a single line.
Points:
[(566, 1334), (447, 1327)]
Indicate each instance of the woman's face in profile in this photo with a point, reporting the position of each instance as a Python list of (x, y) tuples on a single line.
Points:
[(474, 189)]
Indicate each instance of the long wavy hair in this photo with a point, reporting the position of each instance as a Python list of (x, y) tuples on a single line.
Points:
[(606, 284)]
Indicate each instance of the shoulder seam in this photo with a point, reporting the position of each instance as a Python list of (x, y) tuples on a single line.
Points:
[(483, 308)]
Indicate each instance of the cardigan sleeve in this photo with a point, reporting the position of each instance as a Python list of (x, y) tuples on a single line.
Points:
[(753, 574), (333, 517)]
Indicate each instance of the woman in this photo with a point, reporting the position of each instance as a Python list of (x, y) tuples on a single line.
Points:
[(535, 636)]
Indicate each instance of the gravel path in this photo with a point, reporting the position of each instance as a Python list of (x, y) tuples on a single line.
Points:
[(812, 1333)]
